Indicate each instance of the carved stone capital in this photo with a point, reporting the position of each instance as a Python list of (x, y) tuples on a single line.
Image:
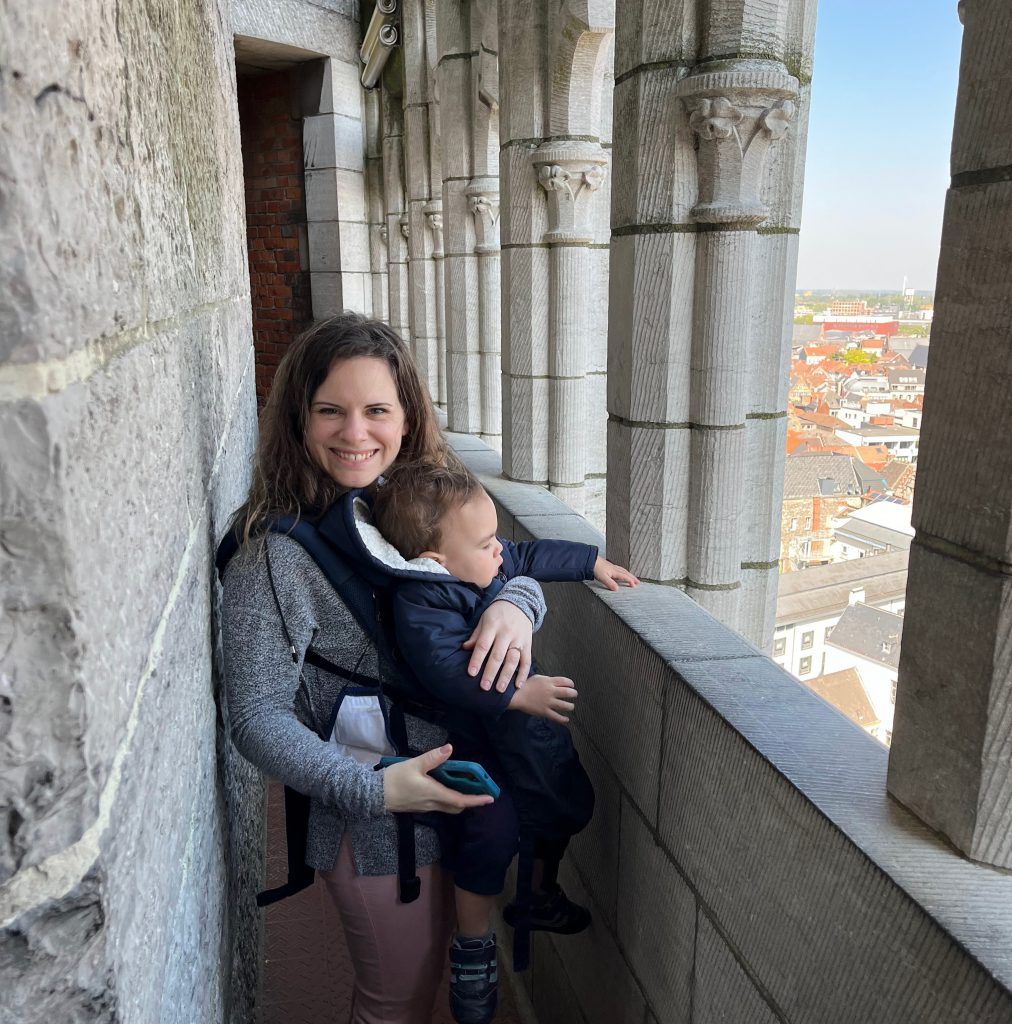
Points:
[(483, 199), (434, 215), (738, 108), (405, 227), (570, 173), (383, 233)]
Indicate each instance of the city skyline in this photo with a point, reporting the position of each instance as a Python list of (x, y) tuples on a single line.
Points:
[(883, 100)]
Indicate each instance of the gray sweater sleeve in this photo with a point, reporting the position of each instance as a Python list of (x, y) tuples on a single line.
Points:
[(268, 703), (526, 594)]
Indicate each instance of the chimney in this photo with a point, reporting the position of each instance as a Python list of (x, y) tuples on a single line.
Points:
[(856, 596)]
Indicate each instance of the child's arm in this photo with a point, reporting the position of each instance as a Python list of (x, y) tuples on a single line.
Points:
[(561, 561)]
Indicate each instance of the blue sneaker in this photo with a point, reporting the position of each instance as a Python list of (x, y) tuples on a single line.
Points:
[(474, 980)]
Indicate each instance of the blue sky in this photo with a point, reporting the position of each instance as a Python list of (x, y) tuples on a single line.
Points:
[(883, 97)]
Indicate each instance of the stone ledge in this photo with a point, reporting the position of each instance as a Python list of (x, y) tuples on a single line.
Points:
[(821, 791)]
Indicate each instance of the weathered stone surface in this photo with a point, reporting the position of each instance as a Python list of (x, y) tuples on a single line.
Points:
[(982, 135), (319, 26), (952, 747), (722, 991), (656, 920), (974, 296), (134, 434)]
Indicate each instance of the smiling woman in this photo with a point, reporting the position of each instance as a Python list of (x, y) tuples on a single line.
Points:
[(345, 406)]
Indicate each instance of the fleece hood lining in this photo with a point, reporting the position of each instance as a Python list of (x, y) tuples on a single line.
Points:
[(383, 551)]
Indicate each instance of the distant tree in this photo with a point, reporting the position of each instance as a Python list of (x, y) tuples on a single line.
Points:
[(857, 355)]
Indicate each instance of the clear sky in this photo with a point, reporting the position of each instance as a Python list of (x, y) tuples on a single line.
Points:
[(883, 97)]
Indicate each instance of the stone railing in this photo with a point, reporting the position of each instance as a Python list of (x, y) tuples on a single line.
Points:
[(744, 862)]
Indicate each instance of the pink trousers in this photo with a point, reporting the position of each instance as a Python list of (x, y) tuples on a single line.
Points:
[(398, 950)]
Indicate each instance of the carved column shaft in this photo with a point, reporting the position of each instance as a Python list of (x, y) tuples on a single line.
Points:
[(434, 216), (484, 202), (393, 193), (570, 173)]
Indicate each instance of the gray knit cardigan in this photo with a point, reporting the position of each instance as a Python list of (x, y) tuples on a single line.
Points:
[(279, 710)]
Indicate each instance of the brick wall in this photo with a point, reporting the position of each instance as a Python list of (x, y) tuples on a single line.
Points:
[(275, 216)]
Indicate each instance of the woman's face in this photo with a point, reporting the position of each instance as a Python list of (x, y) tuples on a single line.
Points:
[(356, 421)]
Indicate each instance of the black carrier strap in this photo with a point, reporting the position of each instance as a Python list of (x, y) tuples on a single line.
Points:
[(525, 878), (360, 600)]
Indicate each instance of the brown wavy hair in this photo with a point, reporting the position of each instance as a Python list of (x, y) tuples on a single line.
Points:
[(287, 480)]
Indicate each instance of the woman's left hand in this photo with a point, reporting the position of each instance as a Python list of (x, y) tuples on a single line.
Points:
[(502, 643)]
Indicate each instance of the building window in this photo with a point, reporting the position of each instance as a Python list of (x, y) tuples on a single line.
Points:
[(807, 639), (893, 695), (779, 646), (806, 666), (829, 629)]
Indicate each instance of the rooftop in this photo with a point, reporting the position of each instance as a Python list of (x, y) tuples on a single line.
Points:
[(825, 589), (815, 475), (846, 692), (870, 633)]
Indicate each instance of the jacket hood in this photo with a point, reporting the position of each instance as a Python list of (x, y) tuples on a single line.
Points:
[(348, 526)]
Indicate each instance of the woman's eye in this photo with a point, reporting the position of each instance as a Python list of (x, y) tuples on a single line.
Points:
[(377, 410)]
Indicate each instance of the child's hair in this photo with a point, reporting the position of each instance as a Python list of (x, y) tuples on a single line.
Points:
[(409, 507)]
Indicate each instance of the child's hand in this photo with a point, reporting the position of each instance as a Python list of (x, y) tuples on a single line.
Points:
[(545, 696), (611, 575)]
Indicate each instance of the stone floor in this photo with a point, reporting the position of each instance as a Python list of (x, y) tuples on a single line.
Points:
[(307, 978)]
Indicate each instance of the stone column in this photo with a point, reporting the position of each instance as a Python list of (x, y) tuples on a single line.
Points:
[(393, 191), (377, 297), (736, 111), (434, 215), (418, 189), (484, 202), (570, 173), (952, 732), (709, 155)]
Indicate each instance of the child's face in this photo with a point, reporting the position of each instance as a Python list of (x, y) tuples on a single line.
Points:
[(469, 547)]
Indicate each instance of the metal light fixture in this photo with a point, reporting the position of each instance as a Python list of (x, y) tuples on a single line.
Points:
[(381, 37)]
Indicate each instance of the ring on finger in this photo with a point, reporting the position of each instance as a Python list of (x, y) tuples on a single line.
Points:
[(514, 648)]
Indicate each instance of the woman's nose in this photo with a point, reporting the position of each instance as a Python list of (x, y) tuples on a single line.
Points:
[(354, 426)]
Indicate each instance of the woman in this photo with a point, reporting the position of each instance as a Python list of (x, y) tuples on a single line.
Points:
[(347, 403)]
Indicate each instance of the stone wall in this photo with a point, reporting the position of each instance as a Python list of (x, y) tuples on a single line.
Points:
[(127, 415), (744, 862)]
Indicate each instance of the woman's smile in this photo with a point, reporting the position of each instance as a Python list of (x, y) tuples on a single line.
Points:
[(356, 421)]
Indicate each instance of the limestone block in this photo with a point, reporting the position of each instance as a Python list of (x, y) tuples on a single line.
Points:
[(596, 424), (416, 153), (792, 864), (458, 219), (654, 168), (648, 499), (649, 327), (523, 26), (723, 990), (982, 136), (716, 502), (355, 292), (333, 140), (608, 992), (771, 322), (322, 191), (464, 371), (745, 27), (757, 606), (525, 278), (455, 117), (524, 211), (565, 525), (653, 32), (964, 489), (594, 852), (765, 442), (782, 188), (325, 246), (325, 289), (574, 642), (354, 248), (329, 28), (551, 991), (335, 88), (525, 426), (656, 920), (950, 758), (595, 295)]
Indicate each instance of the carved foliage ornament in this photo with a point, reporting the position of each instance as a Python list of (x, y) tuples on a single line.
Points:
[(570, 172)]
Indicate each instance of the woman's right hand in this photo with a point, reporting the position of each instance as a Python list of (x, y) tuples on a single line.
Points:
[(407, 786)]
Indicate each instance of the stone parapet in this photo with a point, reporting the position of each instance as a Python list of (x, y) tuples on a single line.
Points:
[(744, 862)]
